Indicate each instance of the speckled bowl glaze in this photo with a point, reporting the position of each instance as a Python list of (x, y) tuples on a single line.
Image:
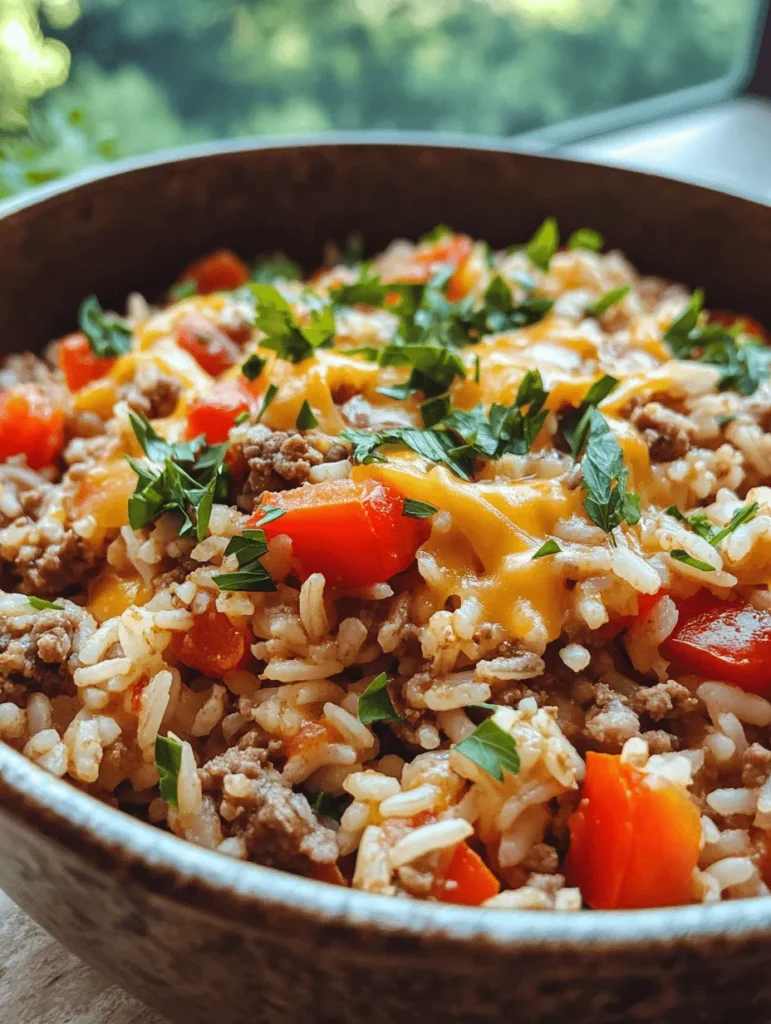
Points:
[(203, 938)]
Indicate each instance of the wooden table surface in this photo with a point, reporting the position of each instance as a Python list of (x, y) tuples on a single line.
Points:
[(41, 983)]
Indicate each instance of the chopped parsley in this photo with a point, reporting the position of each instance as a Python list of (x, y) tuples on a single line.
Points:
[(253, 366), (604, 476), (107, 334), (586, 238), (476, 368), (168, 762), (434, 410), (499, 311), (610, 298), (575, 424), (305, 418), (418, 509), (184, 477), (492, 748), (682, 556), (328, 806), (270, 394), (183, 290), (249, 547), (40, 604), (375, 703), (506, 430), (550, 547), (285, 335), (700, 525), (544, 243), (368, 290), (742, 359)]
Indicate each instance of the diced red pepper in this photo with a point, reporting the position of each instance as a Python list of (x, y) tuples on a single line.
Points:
[(634, 840), (78, 362), (213, 645), (31, 424), (724, 640), (467, 880), (215, 413), (222, 271), (355, 533), (212, 349), (451, 249)]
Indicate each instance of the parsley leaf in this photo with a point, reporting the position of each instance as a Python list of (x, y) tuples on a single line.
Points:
[(586, 238), (436, 234), (575, 424), (544, 243), (610, 298), (434, 445), (270, 393), (418, 509), (327, 806), (434, 368), (285, 336), (276, 268), (375, 703), (492, 748), (369, 290), (40, 604), (604, 474), (682, 556), (434, 410), (742, 358), (107, 334), (500, 313), (253, 366), (700, 525), (551, 547), (183, 290), (168, 762), (305, 418), (506, 430), (249, 547), (185, 477)]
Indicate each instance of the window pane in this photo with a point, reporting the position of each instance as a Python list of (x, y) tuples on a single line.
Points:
[(151, 73)]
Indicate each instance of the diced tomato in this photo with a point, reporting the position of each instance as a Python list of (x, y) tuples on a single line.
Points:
[(215, 413), (136, 694), (213, 645), (355, 533), (451, 249), (78, 362), (468, 880), (310, 735), (647, 602), (634, 840), (221, 272), (31, 424), (212, 349), (749, 325), (725, 640)]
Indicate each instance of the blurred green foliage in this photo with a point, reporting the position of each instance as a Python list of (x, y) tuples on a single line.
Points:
[(151, 73)]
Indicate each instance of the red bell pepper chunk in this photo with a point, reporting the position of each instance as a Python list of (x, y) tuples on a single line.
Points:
[(634, 840), (78, 362), (726, 640), (213, 645), (355, 533), (451, 249), (468, 880), (222, 271), (31, 424), (215, 413), (211, 348)]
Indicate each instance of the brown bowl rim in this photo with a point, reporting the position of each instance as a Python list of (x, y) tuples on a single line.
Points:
[(171, 867)]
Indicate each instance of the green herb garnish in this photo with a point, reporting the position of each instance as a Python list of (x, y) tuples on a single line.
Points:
[(418, 509), (253, 366), (270, 394), (186, 477), (249, 547), (575, 424), (368, 290), (305, 418), (327, 806), (434, 410), (375, 703), (544, 243), (40, 604), (610, 298), (586, 238), (168, 762), (683, 556), (276, 268), (107, 334), (604, 477), (492, 748), (285, 336), (700, 525), (183, 290), (551, 547)]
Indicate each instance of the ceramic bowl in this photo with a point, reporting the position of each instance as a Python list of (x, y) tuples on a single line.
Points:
[(206, 939)]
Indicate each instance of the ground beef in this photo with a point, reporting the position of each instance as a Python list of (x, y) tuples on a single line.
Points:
[(609, 725), (660, 742), (756, 765), (667, 434), (664, 700), (51, 569), (277, 824), (152, 393), (280, 459), (34, 653)]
